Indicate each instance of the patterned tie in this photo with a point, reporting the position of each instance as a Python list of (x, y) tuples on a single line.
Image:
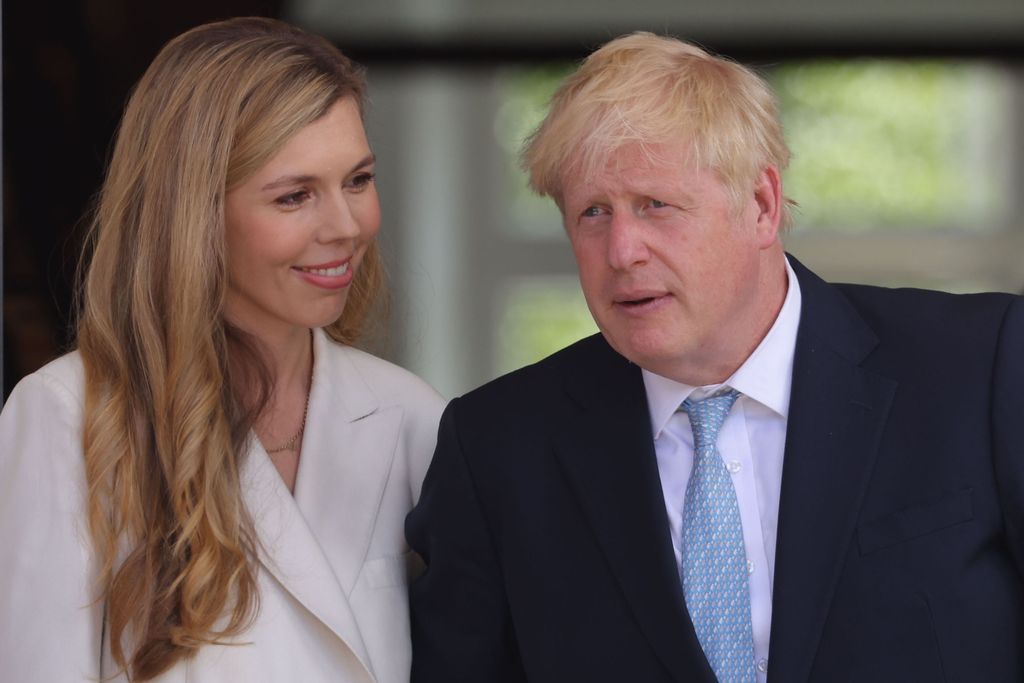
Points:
[(714, 559)]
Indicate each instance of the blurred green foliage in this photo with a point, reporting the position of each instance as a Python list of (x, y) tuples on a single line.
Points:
[(540, 316), (892, 145)]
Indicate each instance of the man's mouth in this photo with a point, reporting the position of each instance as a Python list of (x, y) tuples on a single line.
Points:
[(639, 299)]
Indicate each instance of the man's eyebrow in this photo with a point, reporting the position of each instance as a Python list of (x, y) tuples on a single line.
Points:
[(302, 178)]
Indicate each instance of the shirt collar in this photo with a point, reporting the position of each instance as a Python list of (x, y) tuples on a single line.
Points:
[(766, 376)]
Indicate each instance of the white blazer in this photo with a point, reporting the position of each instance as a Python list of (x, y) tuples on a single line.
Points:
[(333, 574)]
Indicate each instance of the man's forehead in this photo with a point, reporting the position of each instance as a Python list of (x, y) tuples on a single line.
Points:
[(631, 155), (648, 157), (634, 165)]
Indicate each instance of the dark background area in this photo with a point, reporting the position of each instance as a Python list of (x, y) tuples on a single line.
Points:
[(67, 71)]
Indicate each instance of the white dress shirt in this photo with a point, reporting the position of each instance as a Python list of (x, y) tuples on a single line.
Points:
[(751, 441)]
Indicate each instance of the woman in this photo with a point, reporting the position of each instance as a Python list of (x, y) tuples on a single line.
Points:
[(213, 486)]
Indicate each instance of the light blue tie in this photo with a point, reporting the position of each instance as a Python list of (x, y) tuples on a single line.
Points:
[(714, 559)]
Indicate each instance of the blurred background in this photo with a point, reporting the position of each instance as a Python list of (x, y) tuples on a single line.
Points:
[(906, 120)]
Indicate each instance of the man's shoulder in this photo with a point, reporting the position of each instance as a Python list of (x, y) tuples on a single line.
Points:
[(907, 309), (924, 331), (587, 352), (906, 315), (515, 419), (930, 298), (538, 385)]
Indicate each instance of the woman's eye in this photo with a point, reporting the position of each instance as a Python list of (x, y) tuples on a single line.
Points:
[(361, 181), (293, 199), (591, 212)]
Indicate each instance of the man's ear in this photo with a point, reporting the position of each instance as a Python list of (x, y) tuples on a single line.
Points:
[(768, 197)]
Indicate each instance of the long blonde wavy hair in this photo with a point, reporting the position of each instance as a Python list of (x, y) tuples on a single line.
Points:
[(170, 386)]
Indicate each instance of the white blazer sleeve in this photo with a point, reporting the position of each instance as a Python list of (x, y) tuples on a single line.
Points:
[(50, 622)]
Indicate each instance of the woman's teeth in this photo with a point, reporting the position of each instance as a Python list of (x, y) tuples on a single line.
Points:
[(329, 272)]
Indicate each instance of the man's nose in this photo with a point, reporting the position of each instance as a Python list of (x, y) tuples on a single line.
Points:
[(627, 246)]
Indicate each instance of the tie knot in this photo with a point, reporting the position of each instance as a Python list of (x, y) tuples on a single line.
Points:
[(707, 416)]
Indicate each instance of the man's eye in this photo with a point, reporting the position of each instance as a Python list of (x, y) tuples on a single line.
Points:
[(293, 198), (591, 212), (658, 204)]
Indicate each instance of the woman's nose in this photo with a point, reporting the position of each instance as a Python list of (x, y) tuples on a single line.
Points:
[(337, 220)]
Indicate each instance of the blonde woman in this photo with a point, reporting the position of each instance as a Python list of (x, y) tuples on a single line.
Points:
[(213, 486)]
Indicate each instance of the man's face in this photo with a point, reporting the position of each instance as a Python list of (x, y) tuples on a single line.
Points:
[(681, 280)]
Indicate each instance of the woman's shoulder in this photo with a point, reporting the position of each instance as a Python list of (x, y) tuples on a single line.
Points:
[(61, 382), (40, 433), (389, 384)]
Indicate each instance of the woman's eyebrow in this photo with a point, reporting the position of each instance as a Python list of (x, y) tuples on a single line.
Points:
[(302, 178), (286, 180)]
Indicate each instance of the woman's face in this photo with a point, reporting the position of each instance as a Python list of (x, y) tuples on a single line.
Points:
[(297, 230)]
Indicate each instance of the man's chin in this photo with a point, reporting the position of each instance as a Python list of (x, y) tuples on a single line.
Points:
[(648, 349)]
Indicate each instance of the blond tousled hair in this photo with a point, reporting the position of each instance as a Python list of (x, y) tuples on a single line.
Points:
[(647, 89), (168, 407)]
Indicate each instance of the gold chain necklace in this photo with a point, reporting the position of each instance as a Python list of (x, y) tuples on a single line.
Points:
[(289, 445)]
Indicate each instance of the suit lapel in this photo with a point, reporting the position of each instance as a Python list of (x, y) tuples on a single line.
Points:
[(290, 552), (836, 416), (607, 454), (314, 543), (346, 458)]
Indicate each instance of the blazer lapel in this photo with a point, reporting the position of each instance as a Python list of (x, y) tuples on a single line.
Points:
[(290, 552), (313, 543), (346, 458), (837, 413), (608, 457)]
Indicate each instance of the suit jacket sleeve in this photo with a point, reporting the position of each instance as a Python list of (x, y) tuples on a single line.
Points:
[(1008, 426), (461, 625), (50, 619)]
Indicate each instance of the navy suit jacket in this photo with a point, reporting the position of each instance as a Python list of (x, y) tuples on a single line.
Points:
[(901, 523)]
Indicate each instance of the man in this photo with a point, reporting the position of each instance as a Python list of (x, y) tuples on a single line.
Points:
[(749, 474)]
